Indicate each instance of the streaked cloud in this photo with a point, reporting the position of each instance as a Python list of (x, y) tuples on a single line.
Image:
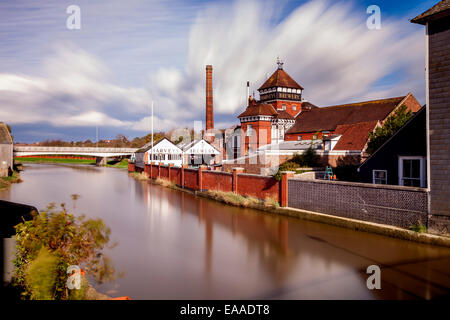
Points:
[(128, 54)]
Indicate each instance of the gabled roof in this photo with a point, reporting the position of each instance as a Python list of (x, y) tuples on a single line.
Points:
[(328, 118), (399, 132), (5, 136), (259, 109), (439, 10), (283, 114), (194, 143), (354, 136), (280, 79), (148, 145)]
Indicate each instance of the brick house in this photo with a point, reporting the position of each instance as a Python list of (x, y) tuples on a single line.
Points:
[(437, 22), (266, 121)]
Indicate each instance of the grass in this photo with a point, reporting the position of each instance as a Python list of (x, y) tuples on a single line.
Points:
[(141, 176), (5, 182), (123, 164), (419, 228), (55, 160), (241, 201)]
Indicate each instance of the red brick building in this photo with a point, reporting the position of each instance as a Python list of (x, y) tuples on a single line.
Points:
[(352, 122), (267, 120)]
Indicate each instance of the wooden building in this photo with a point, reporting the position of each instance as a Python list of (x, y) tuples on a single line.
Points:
[(402, 159), (437, 22), (6, 151)]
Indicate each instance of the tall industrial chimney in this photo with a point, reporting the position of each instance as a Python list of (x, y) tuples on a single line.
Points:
[(209, 99)]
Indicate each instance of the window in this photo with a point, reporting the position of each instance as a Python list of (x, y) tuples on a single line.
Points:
[(314, 137), (299, 138), (411, 171), (294, 107), (249, 130), (283, 107), (379, 176)]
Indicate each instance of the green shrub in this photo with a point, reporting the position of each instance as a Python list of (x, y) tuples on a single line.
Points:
[(419, 227), (52, 241)]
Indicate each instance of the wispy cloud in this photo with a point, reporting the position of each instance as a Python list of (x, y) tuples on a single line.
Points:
[(128, 54)]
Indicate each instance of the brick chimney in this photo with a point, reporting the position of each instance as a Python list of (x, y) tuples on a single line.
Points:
[(209, 99)]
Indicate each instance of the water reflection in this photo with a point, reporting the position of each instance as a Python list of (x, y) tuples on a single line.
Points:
[(174, 245)]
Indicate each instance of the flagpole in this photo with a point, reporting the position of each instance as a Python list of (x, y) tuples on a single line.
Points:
[(151, 160)]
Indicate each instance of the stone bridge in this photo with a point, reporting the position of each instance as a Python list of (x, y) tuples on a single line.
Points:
[(100, 153)]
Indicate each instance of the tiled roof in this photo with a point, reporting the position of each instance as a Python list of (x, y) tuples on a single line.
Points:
[(280, 79), (328, 118), (439, 10), (283, 114), (354, 136), (258, 109), (5, 136)]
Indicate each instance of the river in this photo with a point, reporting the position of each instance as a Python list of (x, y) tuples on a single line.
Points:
[(174, 245)]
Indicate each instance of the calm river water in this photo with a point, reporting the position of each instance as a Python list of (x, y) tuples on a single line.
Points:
[(173, 245)]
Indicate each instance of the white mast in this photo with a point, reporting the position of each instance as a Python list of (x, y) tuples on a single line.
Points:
[(151, 160)]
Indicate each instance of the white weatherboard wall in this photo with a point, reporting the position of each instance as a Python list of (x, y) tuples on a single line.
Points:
[(164, 152), (201, 147)]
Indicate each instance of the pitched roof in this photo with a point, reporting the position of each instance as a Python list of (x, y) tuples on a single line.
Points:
[(258, 109), (148, 145), (280, 79), (5, 136), (283, 114), (328, 118), (439, 10), (354, 136)]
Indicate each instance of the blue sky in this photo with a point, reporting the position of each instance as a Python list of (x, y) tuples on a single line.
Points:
[(57, 83)]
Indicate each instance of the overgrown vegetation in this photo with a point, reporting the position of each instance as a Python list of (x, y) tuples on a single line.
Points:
[(141, 176), (419, 227), (5, 182), (390, 127), (308, 159), (51, 242), (241, 201)]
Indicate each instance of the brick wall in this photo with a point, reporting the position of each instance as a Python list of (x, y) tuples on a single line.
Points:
[(393, 205), (164, 172), (258, 186), (439, 125), (214, 180), (175, 175), (191, 179)]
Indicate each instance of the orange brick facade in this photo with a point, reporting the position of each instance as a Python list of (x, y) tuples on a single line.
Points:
[(292, 107)]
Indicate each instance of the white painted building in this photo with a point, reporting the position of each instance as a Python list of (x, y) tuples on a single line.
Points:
[(163, 152), (199, 152)]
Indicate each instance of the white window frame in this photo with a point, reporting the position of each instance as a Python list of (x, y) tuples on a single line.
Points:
[(373, 175), (422, 169), (249, 130)]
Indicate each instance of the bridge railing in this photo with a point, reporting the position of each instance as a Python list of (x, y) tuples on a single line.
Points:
[(73, 149)]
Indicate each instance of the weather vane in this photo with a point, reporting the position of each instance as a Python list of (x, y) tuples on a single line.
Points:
[(279, 63)]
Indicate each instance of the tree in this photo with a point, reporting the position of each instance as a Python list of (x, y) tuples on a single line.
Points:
[(390, 127)]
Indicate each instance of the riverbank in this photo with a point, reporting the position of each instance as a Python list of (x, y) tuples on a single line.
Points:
[(55, 160), (123, 164), (272, 207), (5, 182)]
